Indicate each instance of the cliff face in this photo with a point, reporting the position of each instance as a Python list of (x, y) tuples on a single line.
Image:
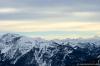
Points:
[(16, 50)]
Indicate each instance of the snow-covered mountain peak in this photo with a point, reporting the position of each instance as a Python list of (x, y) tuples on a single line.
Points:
[(10, 35), (10, 38)]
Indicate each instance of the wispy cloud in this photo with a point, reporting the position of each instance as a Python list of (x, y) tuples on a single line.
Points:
[(8, 10), (85, 14)]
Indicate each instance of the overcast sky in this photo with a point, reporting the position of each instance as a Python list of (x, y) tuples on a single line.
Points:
[(51, 18)]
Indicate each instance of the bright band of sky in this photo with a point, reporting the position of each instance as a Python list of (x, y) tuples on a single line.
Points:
[(33, 26), (52, 30)]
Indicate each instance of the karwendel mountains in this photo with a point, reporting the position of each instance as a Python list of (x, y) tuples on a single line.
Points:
[(16, 50)]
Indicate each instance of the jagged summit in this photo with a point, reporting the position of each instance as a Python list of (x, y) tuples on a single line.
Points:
[(9, 38), (10, 34)]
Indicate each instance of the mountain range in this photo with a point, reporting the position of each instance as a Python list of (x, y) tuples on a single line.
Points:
[(17, 50)]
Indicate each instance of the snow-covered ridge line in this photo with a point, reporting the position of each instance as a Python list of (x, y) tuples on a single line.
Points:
[(41, 52), (9, 39)]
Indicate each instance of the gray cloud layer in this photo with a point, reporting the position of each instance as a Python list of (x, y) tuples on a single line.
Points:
[(51, 10)]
